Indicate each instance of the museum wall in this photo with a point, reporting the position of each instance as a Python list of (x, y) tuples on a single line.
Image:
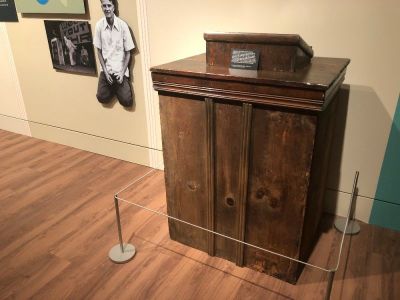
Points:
[(364, 31), (12, 107), (62, 107)]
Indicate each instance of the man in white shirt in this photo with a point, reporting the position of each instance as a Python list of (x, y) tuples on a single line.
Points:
[(114, 43), (71, 50)]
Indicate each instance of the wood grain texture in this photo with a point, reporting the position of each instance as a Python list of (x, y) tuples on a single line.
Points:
[(284, 152), (58, 226), (277, 52), (319, 174), (236, 91), (279, 176), (320, 75), (227, 150), (244, 158), (184, 134), (260, 38), (310, 88), (271, 57)]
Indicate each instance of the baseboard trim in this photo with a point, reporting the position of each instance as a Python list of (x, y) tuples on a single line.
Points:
[(112, 148), (15, 125)]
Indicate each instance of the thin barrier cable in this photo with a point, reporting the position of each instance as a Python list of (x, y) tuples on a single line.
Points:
[(81, 132), (245, 243), (363, 196), (222, 235), (136, 181)]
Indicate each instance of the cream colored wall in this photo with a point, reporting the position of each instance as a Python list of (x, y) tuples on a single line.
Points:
[(151, 97), (12, 108), (68, 103), (364, 31)]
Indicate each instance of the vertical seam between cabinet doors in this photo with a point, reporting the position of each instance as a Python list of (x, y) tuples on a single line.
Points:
[(243, 179), (210, 173)]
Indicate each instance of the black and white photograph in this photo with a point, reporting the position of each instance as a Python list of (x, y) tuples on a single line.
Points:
[(115, 45), (70, 45)]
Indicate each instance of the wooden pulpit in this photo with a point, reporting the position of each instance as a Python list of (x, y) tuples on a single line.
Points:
[(246, 148)]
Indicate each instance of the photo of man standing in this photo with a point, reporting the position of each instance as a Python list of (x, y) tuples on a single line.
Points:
[(114, 44)]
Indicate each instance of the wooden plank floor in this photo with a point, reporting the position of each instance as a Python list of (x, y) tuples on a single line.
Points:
[(57, 224)]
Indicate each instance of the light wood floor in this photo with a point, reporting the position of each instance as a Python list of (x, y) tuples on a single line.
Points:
[(57, 224)]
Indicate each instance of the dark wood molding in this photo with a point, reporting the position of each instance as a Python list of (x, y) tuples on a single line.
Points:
[(210, 171), (309, 89), (272, 100), (333, 89), (243, 180)]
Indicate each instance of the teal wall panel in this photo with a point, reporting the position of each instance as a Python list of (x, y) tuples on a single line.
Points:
[(386, 215), (386, 207)]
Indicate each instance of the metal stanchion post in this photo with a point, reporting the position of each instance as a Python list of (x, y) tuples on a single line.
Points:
[(331, 276), (340, 223), (121, 242), (121, 253)]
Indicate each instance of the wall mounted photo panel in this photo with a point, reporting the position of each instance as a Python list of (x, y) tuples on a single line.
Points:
[(51, 6), (70, 45), (8, 12)]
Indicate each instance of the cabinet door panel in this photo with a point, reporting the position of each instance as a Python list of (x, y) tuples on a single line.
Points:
[(183, 125), (280, 162)]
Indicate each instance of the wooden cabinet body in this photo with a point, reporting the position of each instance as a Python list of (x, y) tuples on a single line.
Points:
[(246, 154)]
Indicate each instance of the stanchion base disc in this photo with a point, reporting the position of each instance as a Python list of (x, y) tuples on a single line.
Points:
[(119, 257), (352, 227)]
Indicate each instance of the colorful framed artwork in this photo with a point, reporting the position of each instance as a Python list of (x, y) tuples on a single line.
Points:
[(51, 6)]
